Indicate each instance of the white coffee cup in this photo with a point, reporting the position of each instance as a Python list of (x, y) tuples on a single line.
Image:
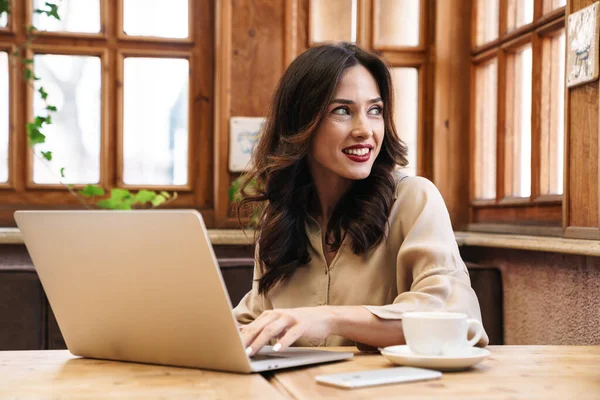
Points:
[(439, 333)]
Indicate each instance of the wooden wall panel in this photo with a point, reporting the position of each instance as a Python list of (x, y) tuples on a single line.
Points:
[(302, 28), (583, 145), (582, 199), (257, 54), (252, 52), (451, 115)]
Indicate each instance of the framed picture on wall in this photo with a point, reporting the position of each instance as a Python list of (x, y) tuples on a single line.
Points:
[(582, 45), (243, 135)]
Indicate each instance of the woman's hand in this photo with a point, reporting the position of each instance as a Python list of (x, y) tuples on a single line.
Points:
[(288, 325)]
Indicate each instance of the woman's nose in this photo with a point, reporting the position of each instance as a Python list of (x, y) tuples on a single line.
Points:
[(361, 128)]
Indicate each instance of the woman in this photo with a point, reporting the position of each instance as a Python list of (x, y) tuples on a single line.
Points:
[(346, 242)]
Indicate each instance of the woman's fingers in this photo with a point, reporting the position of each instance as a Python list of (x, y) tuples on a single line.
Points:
[(288, 338), (270, 331), (252, 330)]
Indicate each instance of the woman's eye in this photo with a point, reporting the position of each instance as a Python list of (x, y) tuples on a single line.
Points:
[(341, 111), (376, 111)]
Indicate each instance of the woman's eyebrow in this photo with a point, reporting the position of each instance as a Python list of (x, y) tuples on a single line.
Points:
[(346, 101)]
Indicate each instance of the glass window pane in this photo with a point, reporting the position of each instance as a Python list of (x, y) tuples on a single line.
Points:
[(550, 5), (155, 132), (397, 22), (486, 92), (406, 88), (75, 16), (487, 21), (518, 13), (156, 18), (4, 116), (3, 20), (552, 115), (517, 136), (73, 84), (324, 12)]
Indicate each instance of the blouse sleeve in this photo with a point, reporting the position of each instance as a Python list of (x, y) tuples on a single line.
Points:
[(253, 303), (430, 274)]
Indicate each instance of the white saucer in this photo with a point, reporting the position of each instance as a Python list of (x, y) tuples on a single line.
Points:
[(402, 355)]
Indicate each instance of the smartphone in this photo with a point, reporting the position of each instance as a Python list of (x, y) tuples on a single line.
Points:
[(352, 380)]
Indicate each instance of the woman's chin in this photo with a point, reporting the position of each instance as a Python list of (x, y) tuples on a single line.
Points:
[(358, 173)]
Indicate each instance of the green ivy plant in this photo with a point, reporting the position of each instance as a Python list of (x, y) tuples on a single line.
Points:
[(235, 197), (119, 199)]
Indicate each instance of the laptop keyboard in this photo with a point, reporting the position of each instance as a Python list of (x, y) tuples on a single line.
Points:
[(261, 357)]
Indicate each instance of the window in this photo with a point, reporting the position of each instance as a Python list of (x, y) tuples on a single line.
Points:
[(125, 77), (397, 30), (4, 115), (517, 114)]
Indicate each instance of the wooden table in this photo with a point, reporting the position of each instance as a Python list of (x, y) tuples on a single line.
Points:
[(56, 374), (511, 372)]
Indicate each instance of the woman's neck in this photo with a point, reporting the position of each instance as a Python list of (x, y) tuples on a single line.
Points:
[(330, 189)]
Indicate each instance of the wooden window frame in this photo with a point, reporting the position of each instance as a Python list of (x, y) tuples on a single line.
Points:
[(45, 49), (121, 35), (422, 47), (199, 48), (417, 57), (9, 21), (478, 60), (120, 160), (537, 214), (12, 154)]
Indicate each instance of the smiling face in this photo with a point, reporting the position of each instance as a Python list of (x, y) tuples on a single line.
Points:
[(349, 137)]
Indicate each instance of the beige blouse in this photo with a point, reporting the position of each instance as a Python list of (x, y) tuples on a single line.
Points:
[(417, 267)]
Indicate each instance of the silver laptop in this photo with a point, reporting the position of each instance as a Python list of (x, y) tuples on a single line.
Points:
[(143, 286)]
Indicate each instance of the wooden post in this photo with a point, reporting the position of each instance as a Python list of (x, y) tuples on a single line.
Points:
[(451, 107)]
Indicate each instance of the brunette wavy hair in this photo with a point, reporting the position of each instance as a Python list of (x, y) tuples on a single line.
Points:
[(283, 187)]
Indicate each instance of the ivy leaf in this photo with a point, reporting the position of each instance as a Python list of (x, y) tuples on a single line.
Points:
[(62, 172), (144, 196), (43, 93), (158, 200), (16, 52), (27, 61), (70, 185), (231, 193), (31, 28), (92, 190), (39, 121), (119, 194), (51, 108), (47, 155), (4, 6), (234, 190), (53, 10), (165, 194), (28, 74), (107, 204), (34, 134)]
